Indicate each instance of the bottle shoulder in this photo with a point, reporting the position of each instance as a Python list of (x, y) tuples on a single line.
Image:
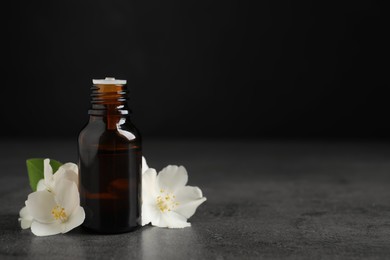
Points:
[(97, 133)]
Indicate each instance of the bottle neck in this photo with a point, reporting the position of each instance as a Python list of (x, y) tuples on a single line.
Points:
[(109, 100)]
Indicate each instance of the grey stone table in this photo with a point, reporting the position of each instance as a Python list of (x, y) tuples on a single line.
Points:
[(266, 200)]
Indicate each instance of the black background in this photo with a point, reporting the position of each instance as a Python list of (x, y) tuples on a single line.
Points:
[(228, 69)]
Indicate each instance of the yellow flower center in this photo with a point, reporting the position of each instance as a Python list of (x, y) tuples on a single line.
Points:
[(59, 213), (166, 201)]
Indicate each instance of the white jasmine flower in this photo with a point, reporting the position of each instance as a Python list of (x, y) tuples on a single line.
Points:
[(55, 213), (66, 171), (166, 200), (25, 218)]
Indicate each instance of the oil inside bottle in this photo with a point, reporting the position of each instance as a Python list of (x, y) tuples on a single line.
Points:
[(110, 188)]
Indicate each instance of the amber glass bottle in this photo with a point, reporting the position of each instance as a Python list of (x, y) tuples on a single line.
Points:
[(110, 161)]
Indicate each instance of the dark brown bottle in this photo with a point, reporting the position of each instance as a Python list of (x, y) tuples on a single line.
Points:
[(110, 161)]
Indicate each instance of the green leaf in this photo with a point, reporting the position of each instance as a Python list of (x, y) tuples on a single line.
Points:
[(35, 170)]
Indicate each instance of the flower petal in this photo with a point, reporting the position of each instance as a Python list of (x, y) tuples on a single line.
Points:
[(144, 165), (75, 220), (67, 196), (174, 220), (149, 186), (25, 218), (63, 173), (70, 167), (172, 178), (188, 209), (25, 223), (41, 229), (47, 170), (149, 213), (189, 199), (24, 213), (40, 205), (158, 221), (41, 185)]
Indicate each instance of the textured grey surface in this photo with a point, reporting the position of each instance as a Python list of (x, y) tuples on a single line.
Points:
[(296, 200)]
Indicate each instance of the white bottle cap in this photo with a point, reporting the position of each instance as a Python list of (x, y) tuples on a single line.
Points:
[(109, 81)]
